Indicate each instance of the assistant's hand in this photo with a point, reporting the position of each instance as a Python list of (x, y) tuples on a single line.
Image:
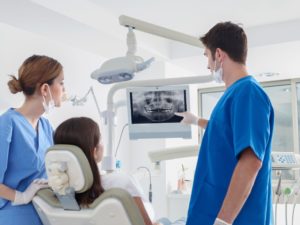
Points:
[(220, 222), (26, 196), (188, 118)]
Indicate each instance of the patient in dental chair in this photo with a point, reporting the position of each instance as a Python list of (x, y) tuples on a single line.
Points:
[(85, 133)]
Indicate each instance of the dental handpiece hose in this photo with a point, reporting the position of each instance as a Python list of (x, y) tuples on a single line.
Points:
[(150, 193), (150, 182)]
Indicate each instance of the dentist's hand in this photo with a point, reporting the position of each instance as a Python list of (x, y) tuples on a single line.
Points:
[(26, 196), (220, 222), (188, 118)]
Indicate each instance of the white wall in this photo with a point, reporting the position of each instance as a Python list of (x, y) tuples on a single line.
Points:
[(282, 58)]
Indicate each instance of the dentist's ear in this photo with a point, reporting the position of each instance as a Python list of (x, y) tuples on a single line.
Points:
[(220, 55), (44, 89)]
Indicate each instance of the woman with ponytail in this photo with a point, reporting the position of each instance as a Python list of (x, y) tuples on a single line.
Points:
[(24, 137)]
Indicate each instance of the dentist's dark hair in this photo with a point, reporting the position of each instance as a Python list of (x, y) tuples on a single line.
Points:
[(229, 37), (84, 133)]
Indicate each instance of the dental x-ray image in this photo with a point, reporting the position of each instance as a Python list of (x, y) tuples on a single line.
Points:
[(157, 106)]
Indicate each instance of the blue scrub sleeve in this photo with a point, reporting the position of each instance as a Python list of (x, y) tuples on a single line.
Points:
[(250, 121), (49, 128), (5, 139)]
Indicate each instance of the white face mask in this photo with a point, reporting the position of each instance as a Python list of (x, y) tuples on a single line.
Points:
[(218, 73), (50, 106)]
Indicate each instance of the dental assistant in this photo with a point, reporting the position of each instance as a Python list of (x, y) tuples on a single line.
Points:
[(25, 136), (232, 183)]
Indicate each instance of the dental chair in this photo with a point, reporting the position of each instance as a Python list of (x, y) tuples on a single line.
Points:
[(59, 207)]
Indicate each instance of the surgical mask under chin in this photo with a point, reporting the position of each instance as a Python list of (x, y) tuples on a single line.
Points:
[(218, 73), (50, 106)]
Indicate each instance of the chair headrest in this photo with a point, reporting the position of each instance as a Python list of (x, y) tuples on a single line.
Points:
[(73, 162)]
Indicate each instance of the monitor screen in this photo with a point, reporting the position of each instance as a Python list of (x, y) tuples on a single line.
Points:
[(151, 112)]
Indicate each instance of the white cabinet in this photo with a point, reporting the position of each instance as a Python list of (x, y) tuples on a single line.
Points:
[(178, 205)]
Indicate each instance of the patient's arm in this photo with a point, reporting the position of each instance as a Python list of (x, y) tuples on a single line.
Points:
[(143, 211)]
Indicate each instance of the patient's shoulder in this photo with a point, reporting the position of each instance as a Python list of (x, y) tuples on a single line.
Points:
[(120, 180), (115, 179)]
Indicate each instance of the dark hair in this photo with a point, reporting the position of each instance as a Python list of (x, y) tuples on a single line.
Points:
[(229, 37), (35, 70), (84, 133)]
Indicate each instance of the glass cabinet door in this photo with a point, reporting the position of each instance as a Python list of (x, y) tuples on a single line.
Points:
[(281, 99), (298, 111), (283, 141), (208, 101)]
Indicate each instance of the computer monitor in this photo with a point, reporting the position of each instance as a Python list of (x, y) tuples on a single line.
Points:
[(151, 112)]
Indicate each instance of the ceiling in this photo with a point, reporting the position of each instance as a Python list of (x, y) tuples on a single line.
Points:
[(195, 17), (93, 25)]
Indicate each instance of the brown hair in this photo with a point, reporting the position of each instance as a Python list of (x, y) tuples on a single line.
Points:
[(84, 133), (35, 70), (229, 37)]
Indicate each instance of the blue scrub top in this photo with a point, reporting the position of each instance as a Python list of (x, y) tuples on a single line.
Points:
[(22, 152), (242, 118)]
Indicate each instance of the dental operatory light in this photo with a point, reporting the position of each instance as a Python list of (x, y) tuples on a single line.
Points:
[(122, 68)]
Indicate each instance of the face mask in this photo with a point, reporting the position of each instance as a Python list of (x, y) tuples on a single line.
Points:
[(218, 73), (50, 106), (65, 97)]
